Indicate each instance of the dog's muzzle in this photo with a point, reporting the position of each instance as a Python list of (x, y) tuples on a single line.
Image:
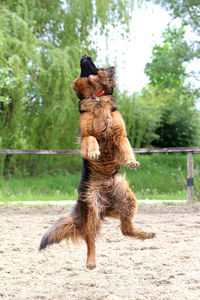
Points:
[(87, 66)]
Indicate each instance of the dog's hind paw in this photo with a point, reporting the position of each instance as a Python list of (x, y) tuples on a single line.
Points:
[(145, 235), (93, 155), (132, 164), (151, 235), (91, 266)]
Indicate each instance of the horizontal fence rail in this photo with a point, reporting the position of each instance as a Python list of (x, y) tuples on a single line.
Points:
[(45, 152), (71, 152), (167, 150), (188, 150)]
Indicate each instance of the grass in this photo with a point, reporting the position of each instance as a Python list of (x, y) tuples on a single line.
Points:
[(160, 176), (40, 188)]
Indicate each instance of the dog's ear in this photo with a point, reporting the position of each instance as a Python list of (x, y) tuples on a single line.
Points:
[(111, 71), (106, 79)]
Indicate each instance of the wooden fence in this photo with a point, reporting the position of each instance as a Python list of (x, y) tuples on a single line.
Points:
[(188, 150)]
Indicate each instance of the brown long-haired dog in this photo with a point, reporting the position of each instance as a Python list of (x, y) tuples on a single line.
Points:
[(103, 192)]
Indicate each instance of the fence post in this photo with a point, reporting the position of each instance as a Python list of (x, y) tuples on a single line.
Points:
[(190, 174)]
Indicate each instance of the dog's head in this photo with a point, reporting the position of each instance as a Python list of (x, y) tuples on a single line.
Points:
[(93, 80)]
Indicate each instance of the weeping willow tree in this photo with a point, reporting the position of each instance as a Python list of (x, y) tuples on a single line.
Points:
[(41, 43)]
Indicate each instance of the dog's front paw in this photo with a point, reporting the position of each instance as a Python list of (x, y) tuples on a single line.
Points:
[(93, 155), (132, 164)]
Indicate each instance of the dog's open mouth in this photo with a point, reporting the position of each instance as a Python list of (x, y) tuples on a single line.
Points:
[(87, 66)]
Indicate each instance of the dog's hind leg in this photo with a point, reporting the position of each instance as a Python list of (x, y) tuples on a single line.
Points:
[(128, 229), (126, 217), (91, 251), (87, 205), (127, 208), (91, 228)]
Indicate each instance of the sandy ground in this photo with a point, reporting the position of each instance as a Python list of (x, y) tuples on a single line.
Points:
[(167, 267)]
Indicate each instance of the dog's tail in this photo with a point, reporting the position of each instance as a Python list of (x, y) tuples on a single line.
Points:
[(64, 228)]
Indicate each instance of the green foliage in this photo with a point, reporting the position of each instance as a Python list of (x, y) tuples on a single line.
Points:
[(179, 121), (41, 43), (69, 22), (167, 68), (187, 10), (164, 113), (161, 117), (141, 113)]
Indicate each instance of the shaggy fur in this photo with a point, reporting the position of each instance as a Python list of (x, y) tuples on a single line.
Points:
[(103, 192)]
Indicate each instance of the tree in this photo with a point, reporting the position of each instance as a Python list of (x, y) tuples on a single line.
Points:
[(41, 43), (70, 22), (179, 124), (142, 113), (187, 10), (168, 66)]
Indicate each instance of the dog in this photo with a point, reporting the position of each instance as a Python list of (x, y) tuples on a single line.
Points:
[(102, 192)]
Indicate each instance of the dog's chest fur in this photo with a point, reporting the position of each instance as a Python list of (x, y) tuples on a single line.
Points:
[(99, 115)]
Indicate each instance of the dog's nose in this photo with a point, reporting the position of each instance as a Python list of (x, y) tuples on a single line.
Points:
[(84, 56)]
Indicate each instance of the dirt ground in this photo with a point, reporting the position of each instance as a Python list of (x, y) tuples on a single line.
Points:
[(167, 267)]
